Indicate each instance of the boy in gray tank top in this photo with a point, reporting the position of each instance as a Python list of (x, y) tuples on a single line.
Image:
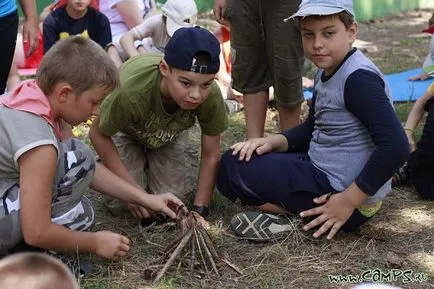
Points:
[(335, 168), (43, 177)]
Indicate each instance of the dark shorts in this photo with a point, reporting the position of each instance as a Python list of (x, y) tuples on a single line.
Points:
[(289, 180), (421, 161), (265, 50)]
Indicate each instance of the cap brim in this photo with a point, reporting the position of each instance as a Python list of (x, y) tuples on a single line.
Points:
[(315, 10), (172, 26)]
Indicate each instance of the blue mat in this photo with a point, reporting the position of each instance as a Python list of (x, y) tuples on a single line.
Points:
[(403, 90)]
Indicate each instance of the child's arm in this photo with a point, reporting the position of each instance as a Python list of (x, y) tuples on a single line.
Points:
[(143, 30), (219, 11), (127, 42), (30, 25), (130, 13), (416, 115), (46, 11), (35, 200), (114, 55), (209, 162), (108, 153), (106, 149)]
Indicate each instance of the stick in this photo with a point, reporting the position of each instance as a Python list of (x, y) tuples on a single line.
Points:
[(235, 268), (174, 243), (208, 253), (195, 234), (175, 253), (193, 256), (208, 241)]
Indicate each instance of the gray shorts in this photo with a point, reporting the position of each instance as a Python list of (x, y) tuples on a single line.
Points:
[(69, 207), (265, 50), (169, 169)]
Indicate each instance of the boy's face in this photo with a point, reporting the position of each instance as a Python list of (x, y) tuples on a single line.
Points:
[(326, 41), (187, 89), (79, 5), (76, 109)]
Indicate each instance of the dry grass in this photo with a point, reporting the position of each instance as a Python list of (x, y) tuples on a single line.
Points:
[(400, 236)]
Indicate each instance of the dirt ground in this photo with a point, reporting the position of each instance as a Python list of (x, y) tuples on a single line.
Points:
[(398, 241)]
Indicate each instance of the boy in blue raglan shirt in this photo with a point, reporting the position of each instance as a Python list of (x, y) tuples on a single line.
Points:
[(336, 167)]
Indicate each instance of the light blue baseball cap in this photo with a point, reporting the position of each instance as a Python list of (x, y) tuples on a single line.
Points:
[(323, 7)]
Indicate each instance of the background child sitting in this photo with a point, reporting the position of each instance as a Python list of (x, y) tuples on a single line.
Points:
[(35, 271), (76, 18), (428, 65), (420, 165), (160, 27)]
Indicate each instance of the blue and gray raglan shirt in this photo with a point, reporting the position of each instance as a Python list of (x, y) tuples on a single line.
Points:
[(352, 132)]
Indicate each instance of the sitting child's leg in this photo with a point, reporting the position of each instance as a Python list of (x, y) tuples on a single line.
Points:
[(70, 207), (274, 183), (421, 161)]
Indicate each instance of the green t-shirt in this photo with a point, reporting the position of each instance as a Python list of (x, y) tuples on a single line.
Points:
[(136, 109)]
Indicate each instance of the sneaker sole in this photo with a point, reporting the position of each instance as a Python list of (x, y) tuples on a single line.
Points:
[(259, 226)]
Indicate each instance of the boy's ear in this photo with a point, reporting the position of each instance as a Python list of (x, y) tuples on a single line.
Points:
[(62, 92), (353, 31), (164, 68)]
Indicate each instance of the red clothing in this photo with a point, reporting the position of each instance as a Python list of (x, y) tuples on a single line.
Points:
[(35, 58), (226, 44)]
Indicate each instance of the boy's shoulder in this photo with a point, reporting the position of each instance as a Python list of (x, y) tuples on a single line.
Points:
[(143, 64), (23, 127)]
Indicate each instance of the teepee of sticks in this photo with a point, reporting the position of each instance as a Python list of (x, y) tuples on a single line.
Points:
[(195, 246)]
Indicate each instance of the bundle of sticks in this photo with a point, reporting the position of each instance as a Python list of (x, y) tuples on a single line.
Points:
[(195, 245)]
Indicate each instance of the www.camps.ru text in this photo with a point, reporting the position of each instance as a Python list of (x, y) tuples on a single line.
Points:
[(378, 275)]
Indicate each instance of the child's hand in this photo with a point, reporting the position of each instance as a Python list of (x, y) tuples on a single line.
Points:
[(219, 11), (332, 214), (201, 220), (422, 76), (245, 149), (111, 245), (139, 212), (164, 203)]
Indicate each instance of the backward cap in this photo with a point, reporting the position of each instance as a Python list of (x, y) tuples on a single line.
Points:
[(186, 43)]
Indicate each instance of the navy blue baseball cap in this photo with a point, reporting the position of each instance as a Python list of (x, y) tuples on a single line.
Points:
[(186, 43)]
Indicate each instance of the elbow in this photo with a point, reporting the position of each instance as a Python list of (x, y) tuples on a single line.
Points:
[(400, 152), (34, 237)]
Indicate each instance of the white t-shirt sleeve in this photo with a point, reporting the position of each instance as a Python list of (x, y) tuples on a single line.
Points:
[(148, 27), (113, 3)]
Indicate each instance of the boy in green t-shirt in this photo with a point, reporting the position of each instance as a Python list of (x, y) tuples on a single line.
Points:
[(142, 124)]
